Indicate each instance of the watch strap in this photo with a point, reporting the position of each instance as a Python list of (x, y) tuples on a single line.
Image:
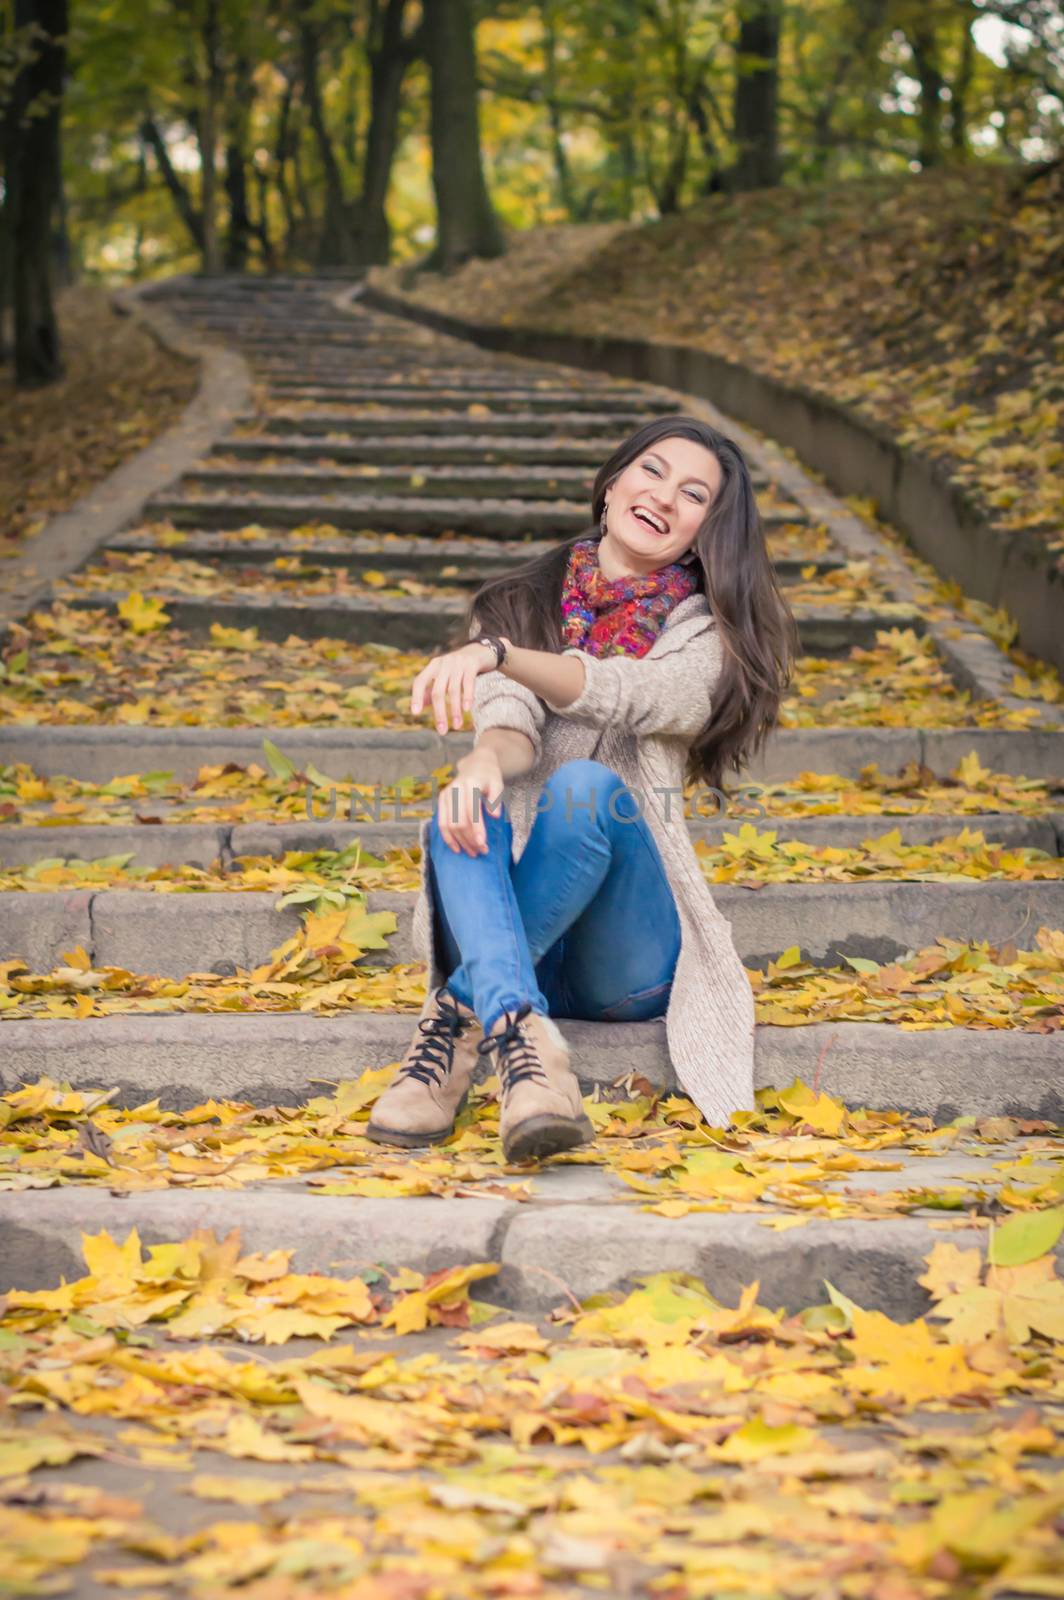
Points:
[(496, 644)]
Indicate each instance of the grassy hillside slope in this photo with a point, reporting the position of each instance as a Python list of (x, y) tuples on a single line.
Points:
[(933, 303)]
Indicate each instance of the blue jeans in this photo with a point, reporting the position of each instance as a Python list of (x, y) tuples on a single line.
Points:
[(584, 925)]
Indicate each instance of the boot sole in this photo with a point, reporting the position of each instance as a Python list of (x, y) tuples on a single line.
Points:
[(546, 1135), (411, 1141), (408, 1141)]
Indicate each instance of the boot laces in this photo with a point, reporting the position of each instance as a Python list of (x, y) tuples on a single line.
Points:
[(433, 1056), (518, 1061)]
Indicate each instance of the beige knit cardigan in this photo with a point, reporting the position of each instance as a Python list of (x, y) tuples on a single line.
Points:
[(639, 715)]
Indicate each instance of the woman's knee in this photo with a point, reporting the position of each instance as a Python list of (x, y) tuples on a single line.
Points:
[(584, 790)]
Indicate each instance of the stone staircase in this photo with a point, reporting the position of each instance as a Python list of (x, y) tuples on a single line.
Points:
[(431, 461)]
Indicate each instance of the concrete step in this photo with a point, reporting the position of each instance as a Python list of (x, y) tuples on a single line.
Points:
[(506, 483), (424, 369), (518, 426), (284, 1058), (406, 624), (416, 624), (522, 483), (475, 559), (353, 390), (174, 934), (384, 755), (414, 453), (403, 514), (202, 843), (427, 559), (566, 1239)]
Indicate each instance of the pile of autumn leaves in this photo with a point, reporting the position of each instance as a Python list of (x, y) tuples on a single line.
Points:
[(653, 1442), (657, 1442)]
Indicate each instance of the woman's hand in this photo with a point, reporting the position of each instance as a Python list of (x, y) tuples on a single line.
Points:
[(459, 812), (451, 678)]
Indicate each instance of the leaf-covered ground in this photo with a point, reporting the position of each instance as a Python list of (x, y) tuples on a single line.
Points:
[(800, 1154), (932, 303), (120, 391), (403, 1440), (278, 790), (953, 983), (66, 664)]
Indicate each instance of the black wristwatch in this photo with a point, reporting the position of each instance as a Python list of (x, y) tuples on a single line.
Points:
[(497, 645)]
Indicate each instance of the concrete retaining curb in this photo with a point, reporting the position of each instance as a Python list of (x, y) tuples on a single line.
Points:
[(283, 1058), (857, 455), (543, 1248), (70, 538)]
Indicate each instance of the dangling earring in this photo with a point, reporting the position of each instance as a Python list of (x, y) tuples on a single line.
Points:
[(602, 521)]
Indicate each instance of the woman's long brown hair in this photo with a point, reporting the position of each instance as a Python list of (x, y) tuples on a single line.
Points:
[(757, 629)]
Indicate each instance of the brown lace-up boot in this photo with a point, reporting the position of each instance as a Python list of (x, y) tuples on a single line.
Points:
[(541, 1110), (421, 1103)]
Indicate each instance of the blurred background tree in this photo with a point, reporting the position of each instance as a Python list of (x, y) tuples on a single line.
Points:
[(141, 137)]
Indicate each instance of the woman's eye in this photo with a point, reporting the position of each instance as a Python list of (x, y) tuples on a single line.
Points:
[(650, 467)]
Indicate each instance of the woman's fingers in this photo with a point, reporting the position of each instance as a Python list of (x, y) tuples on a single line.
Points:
[(461, 826), (439, 702), (419, 686), (449, 682), (457, 679)]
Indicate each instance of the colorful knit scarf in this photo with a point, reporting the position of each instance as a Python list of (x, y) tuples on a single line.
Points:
[(618, 616)]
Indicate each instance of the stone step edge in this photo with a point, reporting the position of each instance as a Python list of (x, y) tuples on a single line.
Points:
[(572, 455), (822, 627), (355, 551), (384, 754), (543, 1248), (223, 931), (286, 1057), (201, 843)]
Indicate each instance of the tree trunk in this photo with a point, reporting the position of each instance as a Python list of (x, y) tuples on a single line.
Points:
[(334, 244), (181, 197), (466, 224), (261, 228), (306, 225), (282, 151), (622, 158), (138, 234), (756, 125), (239, 231), (7, 163), (208, 135), (390, 54), (32, 189), (562, 172), (961, 85), (926, 58)]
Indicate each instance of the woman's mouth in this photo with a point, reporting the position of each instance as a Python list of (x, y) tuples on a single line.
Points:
[(651, 520)]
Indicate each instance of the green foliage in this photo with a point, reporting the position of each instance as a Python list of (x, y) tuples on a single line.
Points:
[(595, 110)]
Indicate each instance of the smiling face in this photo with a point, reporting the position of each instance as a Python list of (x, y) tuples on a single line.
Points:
[(655, 507)]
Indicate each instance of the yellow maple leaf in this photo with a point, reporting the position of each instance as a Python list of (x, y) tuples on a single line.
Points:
[(143, 615), (950, 1269)]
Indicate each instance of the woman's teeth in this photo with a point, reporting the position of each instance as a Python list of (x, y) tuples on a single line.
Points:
[(648, 522)]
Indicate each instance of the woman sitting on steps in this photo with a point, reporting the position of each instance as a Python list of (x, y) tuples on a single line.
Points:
[(650, 651)]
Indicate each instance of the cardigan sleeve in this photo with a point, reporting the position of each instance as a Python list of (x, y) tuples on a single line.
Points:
[(668, 693), (500, 703)]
